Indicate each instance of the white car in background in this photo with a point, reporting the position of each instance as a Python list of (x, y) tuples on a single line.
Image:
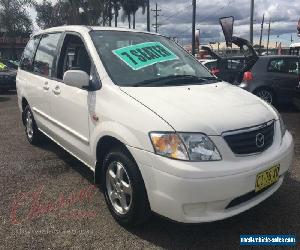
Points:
[(172, 140)]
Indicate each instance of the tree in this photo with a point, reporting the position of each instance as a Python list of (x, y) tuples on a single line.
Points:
[(116, 8), (138, 4), (130, 7), (127, 6), (88, 12), (45, 15), (14, 20), (71, 12)]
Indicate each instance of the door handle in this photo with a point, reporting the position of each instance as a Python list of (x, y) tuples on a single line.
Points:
[(56, 90), (46, 86)]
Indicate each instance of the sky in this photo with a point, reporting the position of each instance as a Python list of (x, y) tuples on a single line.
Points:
[(176, 16)]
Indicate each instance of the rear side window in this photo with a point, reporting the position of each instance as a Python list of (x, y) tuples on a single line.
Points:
[(235, 64), (287, 66), (28, 54), (44, 60)]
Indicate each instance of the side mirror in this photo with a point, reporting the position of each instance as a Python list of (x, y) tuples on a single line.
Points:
[(76, 78)]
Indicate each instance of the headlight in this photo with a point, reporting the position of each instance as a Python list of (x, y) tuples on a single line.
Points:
[(185, 146), (169, 145), (200, 147)]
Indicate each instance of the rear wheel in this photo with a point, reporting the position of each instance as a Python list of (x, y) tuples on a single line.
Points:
[(124, 189), (34, 136), (265, 94)]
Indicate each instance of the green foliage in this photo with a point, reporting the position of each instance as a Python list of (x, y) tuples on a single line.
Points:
[(86, 12), (44, 11), (14, 19), (130, 7)]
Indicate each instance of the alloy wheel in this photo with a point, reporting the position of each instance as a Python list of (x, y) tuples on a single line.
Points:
[(119, 187), (29, 125), (266, 95)]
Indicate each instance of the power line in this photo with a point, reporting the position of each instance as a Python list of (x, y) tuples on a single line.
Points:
[(220, 9), (177, 12), (203, 18), (180, 11)]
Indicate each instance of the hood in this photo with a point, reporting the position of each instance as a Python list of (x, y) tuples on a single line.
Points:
[(8, 72), (211, 109)]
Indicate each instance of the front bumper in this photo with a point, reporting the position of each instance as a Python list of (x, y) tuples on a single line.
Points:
[(200, 192)]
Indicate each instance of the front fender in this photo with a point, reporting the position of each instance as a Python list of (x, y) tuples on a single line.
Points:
[(128, 136)]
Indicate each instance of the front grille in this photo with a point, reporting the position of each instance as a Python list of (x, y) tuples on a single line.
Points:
[(252, 140)]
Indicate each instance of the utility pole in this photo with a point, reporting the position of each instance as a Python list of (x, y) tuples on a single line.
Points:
[(261, 32), (194, 29), (156, 15), (292, 38), (269, 29), (251, 21), (148, 15)]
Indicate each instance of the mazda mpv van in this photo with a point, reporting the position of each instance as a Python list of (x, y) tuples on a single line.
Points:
[(158, 130)]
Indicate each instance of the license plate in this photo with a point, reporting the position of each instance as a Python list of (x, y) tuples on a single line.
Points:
[(267, 178)]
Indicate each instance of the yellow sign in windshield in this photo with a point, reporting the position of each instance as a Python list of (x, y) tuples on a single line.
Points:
[(2, 66)]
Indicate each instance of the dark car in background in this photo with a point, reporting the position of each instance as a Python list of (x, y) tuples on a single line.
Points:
[(229, 68), (11, 64), (276, 79), (226, 68), (7, 77)]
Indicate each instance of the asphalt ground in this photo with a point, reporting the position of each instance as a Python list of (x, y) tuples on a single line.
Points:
[(47, 201)]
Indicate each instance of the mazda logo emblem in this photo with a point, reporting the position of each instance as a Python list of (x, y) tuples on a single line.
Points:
[(260, 140)]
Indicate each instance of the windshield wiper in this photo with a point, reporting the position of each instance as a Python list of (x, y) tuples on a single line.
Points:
[(173, 80)]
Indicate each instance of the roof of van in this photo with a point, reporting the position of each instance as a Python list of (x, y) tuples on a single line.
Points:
[(83, 28)]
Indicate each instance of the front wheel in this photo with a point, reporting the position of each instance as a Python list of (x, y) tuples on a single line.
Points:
[(266, 95), (124, 189)]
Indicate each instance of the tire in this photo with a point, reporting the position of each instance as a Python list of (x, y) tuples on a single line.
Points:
[(266, 95), (34, 136), (124, 189)]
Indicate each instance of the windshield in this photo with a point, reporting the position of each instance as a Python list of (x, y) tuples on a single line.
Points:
[(140, 59)]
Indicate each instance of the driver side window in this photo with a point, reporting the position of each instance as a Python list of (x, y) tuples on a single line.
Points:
[(74, 56)]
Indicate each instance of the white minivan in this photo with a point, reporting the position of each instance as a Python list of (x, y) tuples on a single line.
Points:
[(159, 131)]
